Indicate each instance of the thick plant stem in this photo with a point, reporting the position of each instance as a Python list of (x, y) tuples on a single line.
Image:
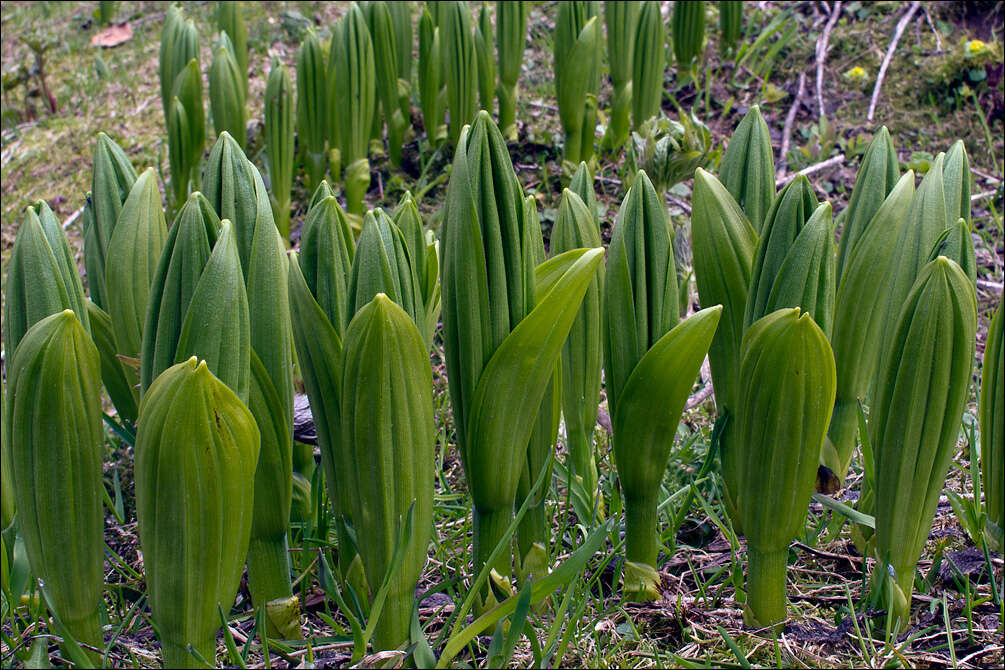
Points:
[(899, 604), (281, 213), (641, 548), (393, 628), (177, 656), (269, 580), (507, 110), (314, 166), (840, 443), (532, 540), (573, 140), (588, 129), (621, 122), (489, 528), (765, 587), (583, 470), (357, 181), (88, 631)]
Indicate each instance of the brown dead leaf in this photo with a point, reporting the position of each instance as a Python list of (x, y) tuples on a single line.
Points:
[(113, 36)]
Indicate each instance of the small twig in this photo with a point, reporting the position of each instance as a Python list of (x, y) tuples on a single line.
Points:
[(985, 175), (990, 286), (901, 25), (705, 391), (986, 194), (679, 203), (822, 54), (790, 118), (938, 39), (73, 217), (817, 167)]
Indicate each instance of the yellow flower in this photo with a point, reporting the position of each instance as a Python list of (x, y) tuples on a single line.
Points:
[(975, 47), (857, 73)]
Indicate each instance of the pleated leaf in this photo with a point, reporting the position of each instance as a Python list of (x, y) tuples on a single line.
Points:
[(133, 254), (640, 287), (187, 249), (992, 422), (915, 417), (724, 243), (877, 175), (648, 64), (748, 168), (111, 182), (53, 418), (197, 448), (388, 432)]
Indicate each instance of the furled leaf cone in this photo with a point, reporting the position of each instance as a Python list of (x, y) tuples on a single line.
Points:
[(878, 175), (748, 168), (387, 431), (423, 253), (641, 358), (648, 64), (198, 305), (992, 421), (41, 277), (227, 92), (279, 144), (179, 46), (430, 82), (926, 219), (236, 189), (111, 182), (621, 20), (383, 264), (915, 422), (858, 323), (318, 295), (460, 65), (794, 261), (582, 356), (643, 436), (730, 26), (230, 20), (688, 34), (511, 36), (312, 103), (196, 450), (53, 419), (382, 35), (487, 290), (133, 254), (187, 91), (577, 77), (498, 355), (352, 77), (533, 533), (785, 402), (723, 243)]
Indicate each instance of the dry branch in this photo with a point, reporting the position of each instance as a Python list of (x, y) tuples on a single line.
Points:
[(822, 55), (889, 56), (816, 167), (790, 118)]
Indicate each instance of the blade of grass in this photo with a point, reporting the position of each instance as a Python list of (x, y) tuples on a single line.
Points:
[(733, 647)]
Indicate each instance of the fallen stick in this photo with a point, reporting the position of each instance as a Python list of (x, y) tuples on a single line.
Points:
[(822, 55), (816, 167), (790, 118), (901, 25)]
